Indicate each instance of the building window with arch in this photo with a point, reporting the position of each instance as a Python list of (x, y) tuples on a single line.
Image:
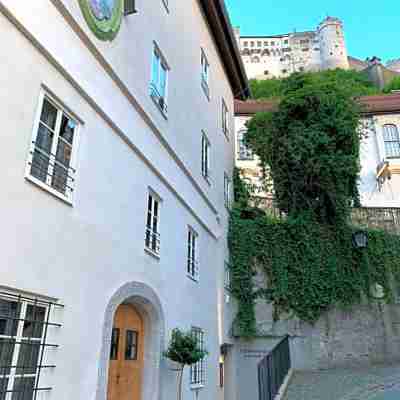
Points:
[(391, 139), (244, 153)]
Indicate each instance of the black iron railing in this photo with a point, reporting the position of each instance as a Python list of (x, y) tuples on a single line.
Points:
[(273, 370)]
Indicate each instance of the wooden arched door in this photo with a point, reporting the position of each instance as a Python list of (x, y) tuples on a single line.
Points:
[(126, 358)]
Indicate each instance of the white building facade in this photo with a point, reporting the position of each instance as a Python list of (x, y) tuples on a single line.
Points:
[(119, 151), (277, 56)]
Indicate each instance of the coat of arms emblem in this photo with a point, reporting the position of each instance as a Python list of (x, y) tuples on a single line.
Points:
[(104, 17), (102, 9)]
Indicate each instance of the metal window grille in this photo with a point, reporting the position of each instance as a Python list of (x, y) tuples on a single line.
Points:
[(227, 190), (192, 262), (51, 151), (129, 7), (197, 371), (24, 326), (152, 236), (391, 138)]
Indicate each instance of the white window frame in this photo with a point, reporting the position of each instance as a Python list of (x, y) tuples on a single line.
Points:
[(384, 127), (13, 375), (198, 370), (192, 258), (67, 197), (205, 74), (161, 101), (225, 119), (152, 240), (227, 190), (205, 157)]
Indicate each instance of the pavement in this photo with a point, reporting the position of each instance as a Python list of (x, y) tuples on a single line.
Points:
[(378, 382)]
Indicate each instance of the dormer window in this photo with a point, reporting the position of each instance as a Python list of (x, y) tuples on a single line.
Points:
[(391, 139)]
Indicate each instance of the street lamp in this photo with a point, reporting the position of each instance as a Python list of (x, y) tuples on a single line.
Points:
[(360, 239)]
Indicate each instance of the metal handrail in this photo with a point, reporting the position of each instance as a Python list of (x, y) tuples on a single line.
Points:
[(273, 370)]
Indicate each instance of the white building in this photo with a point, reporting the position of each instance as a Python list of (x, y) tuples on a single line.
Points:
[(380, 149), (277, 56), (394, 65), (118, 139)]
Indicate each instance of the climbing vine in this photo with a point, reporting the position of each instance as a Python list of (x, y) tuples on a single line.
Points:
[(310, 147)]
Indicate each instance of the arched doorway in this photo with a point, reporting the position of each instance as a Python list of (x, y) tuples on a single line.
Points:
[(145, 301), (125, 374)]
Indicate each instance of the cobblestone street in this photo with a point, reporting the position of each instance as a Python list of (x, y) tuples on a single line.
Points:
[(373, 383)]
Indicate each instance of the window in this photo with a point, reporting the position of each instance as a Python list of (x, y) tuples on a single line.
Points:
[(24, 325), (265, 43), (225, 128), (251, 44), (227, 280), (227, 190), (131, 345), (284, 71), (197, 371), (129, 7), (272, 43), (114, 344), (51, 157), (245, 44), (152, 238), (259, 44), (205, 69), (192, 262), (159, 81), (244, 153), (205, 156), (286, 41), (391, 139)]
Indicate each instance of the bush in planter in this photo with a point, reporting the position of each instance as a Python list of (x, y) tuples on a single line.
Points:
[(184, 350)]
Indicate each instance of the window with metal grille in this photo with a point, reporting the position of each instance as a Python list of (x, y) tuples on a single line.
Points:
[(225, 116), (391, 139), (227, 280), (24, 326), (205, 72), (227, 190), (197, 371), (129, 7), (51, 157), (152, 237), (205, 156), (159, 80), (244, 153), (192, 261)]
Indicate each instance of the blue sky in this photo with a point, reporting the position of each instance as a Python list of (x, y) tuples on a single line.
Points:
[(371, 27)]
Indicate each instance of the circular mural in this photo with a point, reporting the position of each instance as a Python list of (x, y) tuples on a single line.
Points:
[(103, 16)]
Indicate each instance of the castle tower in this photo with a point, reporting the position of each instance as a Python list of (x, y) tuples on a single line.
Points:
[(332, 45)]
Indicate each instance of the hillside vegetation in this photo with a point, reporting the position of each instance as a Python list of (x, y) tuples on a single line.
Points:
[(353, 82)]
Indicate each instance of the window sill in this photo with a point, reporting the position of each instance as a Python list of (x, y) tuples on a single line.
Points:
[(37, 182), (192, 278), (162, 111), (152, 253)]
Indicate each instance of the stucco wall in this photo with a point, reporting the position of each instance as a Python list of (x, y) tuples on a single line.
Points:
[(83, 254)]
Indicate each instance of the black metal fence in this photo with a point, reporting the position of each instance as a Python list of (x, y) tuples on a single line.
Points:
[(273, 370)]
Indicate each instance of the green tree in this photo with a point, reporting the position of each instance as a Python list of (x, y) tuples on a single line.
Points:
[(393, 85), (311, 147), (184, 350), (354, 82)]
